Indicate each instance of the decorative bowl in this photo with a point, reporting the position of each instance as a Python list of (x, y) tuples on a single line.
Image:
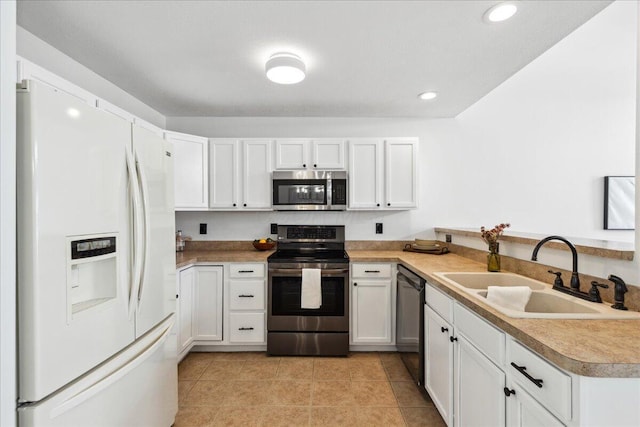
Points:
[(266, 245)]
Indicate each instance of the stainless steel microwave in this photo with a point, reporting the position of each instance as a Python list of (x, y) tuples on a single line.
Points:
[(309, 190)]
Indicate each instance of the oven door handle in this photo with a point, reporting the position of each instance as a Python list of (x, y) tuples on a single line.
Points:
[(298, 271)]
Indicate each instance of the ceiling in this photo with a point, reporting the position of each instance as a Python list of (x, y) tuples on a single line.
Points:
[(364, 58)]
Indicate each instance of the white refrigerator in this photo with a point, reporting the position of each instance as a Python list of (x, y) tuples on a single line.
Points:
[(96, 267)]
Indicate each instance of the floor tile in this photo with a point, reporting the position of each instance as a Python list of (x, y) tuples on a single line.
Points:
[(259, 370), (223, 370), (247, 393), (295, 369), (369, 355), (389, 356), (191, 368), (297, 393), (396, 371), (196, 416), (373, 393), (331, 369), (285, 416), (207, 393), (332, 393), (239, 416), (428, 417), (184, 387), (408, 394), (333, 416), (388, 417), (367, 370)]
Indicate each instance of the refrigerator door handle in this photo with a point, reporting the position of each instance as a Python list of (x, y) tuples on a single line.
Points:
[(144, 191), (137, 231), (149, 344)]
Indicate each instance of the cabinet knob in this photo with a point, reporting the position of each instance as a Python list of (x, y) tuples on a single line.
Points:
[(508, 392), (452, 339), (378, 204), (177, 296), (234, 205), (388, 204), (244, 204), (443, 329), (315, 165), (304, 165), (355, 284)]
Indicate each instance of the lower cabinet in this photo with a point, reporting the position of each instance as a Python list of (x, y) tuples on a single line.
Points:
[(372, 304), (186, 279), (207, 308), (524, 411), (439, 362)]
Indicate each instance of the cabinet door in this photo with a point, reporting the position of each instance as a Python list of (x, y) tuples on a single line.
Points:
[(401, 174), (292, 153), (208, 304), (365, 174), (186, 280), (223, 183), (191, 170), (479, 395), (256, 174), (439, 363), (524, 411), (327, 154), (371, 308)]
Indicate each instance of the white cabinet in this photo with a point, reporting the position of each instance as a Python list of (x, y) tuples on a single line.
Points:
[(321, 153), (371, 304), (383, 173), (191, 170), (240, 174), (247, 303), (207, 307), (439, 362), (524, 411), (186, 281), (479, 388)]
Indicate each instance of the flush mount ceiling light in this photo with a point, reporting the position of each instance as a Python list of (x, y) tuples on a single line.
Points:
[(500, 12), (428, 95), (285, 68)]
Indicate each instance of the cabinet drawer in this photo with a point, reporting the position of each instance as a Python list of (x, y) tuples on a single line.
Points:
[(246, 270), (553, 392), (371, 270), (246, 327), (440, 302), (482, 335), (246, 295)]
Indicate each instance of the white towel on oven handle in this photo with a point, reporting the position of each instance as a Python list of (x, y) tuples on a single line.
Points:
[(311, 294)]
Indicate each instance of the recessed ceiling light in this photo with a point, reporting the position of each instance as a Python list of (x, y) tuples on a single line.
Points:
[(285, 68), (428, 95), (501, 12)]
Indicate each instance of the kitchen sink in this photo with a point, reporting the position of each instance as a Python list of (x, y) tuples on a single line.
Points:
[(544, 303)]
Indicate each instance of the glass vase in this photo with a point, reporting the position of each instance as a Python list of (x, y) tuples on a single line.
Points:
[(493, 258)]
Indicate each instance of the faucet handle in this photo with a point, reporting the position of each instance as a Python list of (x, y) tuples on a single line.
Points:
[(594, 293), (558, 281)]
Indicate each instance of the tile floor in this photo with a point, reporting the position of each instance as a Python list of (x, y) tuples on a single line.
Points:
[(252, 389)]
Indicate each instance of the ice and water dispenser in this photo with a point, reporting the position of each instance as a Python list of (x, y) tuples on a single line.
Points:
[(92, 271)]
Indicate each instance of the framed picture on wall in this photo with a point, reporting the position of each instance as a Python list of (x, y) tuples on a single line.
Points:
[(619, 202)]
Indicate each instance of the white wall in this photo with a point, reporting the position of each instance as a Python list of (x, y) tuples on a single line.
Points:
[(7, 214), (51, 59), (534, 151), (359, 225)]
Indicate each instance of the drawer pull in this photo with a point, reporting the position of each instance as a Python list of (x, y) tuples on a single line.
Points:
[(245, 296), (452, 339), (523, 371), (245, 271), (245, 329), (372, 271), (508, 392), (443, 329)]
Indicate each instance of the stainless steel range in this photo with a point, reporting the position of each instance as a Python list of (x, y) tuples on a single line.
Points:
[(293, 330)]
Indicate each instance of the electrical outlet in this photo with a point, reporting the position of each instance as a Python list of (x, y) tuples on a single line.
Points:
[(378, 228), (447, 238), (274, 228), (203, 228)]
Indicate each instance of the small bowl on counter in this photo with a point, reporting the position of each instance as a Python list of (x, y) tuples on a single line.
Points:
[(264, 244)]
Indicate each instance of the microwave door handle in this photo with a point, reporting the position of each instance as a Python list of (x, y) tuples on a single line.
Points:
[(329, 190)]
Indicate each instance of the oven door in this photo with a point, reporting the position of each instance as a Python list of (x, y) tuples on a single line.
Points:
[(284, 311)]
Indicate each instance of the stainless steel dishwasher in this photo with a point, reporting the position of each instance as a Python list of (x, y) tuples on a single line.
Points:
[(410, 322)]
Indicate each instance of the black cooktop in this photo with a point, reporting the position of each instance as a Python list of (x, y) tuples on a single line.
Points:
[(293, 256)]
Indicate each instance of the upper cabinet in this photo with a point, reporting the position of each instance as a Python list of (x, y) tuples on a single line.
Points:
[(240, 176), (296, 154), (191, 170), (383, 173)]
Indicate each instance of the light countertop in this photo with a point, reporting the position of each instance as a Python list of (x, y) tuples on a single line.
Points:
[(595, 348)]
